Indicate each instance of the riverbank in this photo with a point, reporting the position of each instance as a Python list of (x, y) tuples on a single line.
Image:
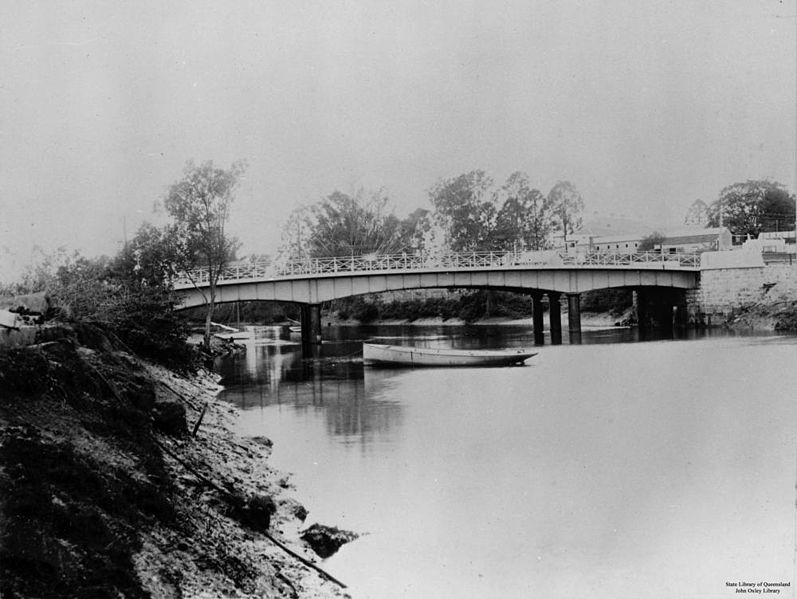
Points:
[(589, 320), (774, 310), (105, 490)]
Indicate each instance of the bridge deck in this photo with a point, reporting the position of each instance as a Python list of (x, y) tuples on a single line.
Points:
[(452, 262)]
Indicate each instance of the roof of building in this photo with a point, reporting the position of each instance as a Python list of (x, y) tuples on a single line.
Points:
[(604, 226), (679, 235), (685, 239), (619, 238), (689, 231)]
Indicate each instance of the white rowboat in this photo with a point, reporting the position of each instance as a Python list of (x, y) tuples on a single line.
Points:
[(375, 354), (236, 336)]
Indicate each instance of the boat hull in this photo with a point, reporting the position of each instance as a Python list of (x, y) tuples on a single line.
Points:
[(397, 356), (241, 336)]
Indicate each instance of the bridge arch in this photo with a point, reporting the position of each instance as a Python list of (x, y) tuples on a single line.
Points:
[(321, 288), (311, 283)]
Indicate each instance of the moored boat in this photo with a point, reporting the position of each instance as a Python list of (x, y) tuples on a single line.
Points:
[(236, 336), (375, 354)]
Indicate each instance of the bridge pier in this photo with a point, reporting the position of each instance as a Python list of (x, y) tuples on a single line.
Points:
[(662, 308), (574, 317), (681, 311), (309, 283), (537, 318), (640, 303), (311, 324), (555, 317)]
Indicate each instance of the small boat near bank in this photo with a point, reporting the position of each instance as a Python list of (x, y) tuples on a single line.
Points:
[(229, 333), (375, 354), (236, 336)]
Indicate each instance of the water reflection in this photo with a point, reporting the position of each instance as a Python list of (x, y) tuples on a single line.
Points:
[(275, 371), (614, 468)]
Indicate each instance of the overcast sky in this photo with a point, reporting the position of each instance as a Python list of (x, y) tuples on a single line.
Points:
[(644, 106)]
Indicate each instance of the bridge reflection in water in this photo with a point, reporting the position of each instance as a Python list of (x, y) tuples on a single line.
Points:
[(276, 372), (331, 380)]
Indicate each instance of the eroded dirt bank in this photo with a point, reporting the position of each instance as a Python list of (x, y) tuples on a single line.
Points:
[(104, 492), (775, 310)]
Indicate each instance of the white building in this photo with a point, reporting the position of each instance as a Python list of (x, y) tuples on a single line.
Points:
[(684, 239)]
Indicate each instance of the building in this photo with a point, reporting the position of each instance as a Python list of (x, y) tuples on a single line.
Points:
[(611, 230), (694, 239), (685, 239), (778, 240)]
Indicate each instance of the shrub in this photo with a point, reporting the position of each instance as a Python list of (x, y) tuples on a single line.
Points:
[(614, 301)]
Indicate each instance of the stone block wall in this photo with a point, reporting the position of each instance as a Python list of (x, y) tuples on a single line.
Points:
[(724, 289)]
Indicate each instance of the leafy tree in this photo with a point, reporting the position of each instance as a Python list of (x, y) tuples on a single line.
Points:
[(141, 313), (524, 220), (567, 205), (649, 242), (86, 289), (342, 225), (41, 274), (752, 207), (777, 209), (294, 233), (152, 258), (465, 210), (697, 214), (109, 293), (200, 205), (414, 229)]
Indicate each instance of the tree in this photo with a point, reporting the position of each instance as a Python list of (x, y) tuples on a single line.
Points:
[(697, 215), (200, 205), (649, 242), (293, 234), (777, 209), (344, 225), (567, 205), (465, 210), (152, 258), (752, 207), (524, 220), (40, 275), (414, 229)]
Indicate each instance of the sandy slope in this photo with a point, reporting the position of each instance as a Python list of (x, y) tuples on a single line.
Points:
[(97, 500)]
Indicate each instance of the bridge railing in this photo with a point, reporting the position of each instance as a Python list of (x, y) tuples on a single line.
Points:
[(374, 263), (681, 260)]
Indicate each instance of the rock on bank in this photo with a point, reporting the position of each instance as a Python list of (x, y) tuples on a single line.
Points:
[(105, 493)]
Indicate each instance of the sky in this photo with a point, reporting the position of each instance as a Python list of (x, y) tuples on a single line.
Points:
[(644, 106)]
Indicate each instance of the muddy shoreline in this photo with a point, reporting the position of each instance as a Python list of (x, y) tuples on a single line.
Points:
[(241, 464), (105, 491)]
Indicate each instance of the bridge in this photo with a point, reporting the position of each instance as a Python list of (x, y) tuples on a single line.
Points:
[(311, 281)]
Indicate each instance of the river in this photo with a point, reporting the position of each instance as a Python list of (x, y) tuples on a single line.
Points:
[(614, 468)]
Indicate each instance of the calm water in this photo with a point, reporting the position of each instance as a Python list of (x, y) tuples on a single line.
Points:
[(608, 469)]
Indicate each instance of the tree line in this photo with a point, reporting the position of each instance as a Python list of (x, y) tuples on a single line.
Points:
[(747, 208), (133, 291), (468, 212)]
